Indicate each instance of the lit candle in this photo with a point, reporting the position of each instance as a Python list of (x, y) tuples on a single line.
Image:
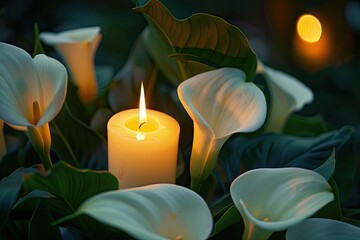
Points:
[(142, 146)]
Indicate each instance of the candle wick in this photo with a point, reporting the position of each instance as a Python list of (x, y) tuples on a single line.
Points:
[(141, 124)]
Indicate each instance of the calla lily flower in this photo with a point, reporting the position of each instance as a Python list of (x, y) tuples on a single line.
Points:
[(220, 103), (77, 48), (322, 229), (287, 95), (32, 92), (2, 140), (158, 211), (274, 199)]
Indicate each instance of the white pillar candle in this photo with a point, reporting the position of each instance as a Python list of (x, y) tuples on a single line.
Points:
[(143, 155)]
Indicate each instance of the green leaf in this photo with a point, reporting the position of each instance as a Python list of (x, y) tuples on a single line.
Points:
[(91, 228), (76, 142), (159, 50), (57, 206), (191, 63), (346, 168), (221, 206), (319, 228), (40, 224), (124, 92), (216, 42), (351, 213), (70, 184), (332, 209), (230, 217), (38, 48), (9, 190), (305, 126), (327, 168), (241, 153)]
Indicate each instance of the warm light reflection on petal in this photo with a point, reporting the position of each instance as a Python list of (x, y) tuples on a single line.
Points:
[(220, 103), (77, 48), (159, 211), (282, 198)]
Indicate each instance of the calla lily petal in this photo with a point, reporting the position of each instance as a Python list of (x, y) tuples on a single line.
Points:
[(287, 95), (220, 103), (77, 48), (159, 211), (25, 81), (51, 74), (88, 34), (18, 85), (273, 199), (322, 229)]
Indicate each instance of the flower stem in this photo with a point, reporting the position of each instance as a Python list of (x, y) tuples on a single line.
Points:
[(46, 160), (41, 140)]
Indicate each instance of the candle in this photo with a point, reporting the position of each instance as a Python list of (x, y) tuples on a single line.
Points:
[(142, 146)]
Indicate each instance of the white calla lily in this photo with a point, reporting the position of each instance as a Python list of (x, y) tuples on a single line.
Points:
[(274, 199), (158, 211), (287, 94), (32, 92), (77, 48), (220, 103), (323, 229)]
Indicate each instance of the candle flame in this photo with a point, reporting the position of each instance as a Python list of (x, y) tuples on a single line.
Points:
[(142, 107)]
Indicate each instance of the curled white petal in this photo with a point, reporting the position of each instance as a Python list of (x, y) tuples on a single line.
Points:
[(272, 200), (53, 78), (159, 211), (287, 94), (71, 36), (220, 103), (322, 229), (77, 48)]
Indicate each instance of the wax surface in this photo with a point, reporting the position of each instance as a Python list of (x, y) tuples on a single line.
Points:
[(148, 155)]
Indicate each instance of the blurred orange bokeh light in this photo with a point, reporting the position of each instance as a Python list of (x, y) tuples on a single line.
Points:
[(309, 28)]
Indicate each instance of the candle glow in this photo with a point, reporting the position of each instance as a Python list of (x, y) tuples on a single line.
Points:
[(143, 146)]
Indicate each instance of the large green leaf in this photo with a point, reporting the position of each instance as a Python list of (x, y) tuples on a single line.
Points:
[(305, 126), (323, 229), (70, 184), (159, 50), (9, 190), (57, 206), (76, 142), (214, 41), (230, 217), (40, 224), (90, 228), (241, 153), (124, 92)]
